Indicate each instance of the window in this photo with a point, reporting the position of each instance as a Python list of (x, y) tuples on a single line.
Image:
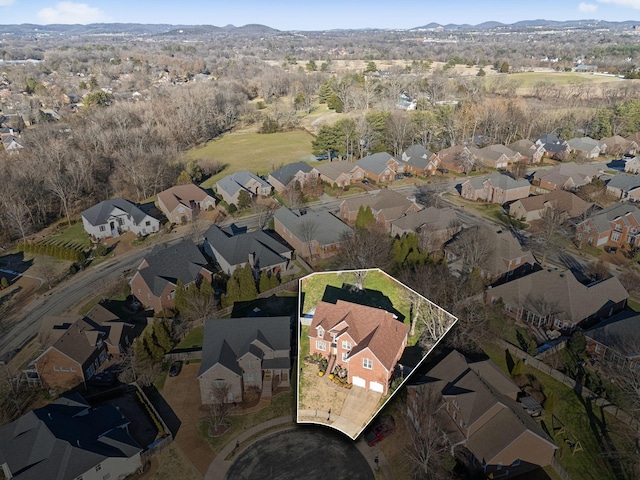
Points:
[(515, 463), (598, 348), (56, 369), (344, 356), (499, 466), (64, 369), (320, 345), (615, 236), (367, 363), (120, 221), (102, 228), (73, 369), (98, 467), (320, 332), (148, 223), (455, 404), (346, 345)]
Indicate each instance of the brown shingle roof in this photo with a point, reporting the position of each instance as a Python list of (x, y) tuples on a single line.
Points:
[(182, 194), (369, 327)]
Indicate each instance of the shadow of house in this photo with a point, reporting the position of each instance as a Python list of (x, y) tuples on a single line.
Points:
[(368, 298), (13, 264)]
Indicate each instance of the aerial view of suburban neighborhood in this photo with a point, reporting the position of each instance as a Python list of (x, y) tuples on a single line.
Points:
[(283, 241)]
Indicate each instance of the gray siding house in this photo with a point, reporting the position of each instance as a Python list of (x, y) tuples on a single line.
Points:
[(243, 353)]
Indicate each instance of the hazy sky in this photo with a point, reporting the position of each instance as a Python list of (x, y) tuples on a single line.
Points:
[(312, 15)]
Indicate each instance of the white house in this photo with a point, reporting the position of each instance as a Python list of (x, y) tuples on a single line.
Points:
[(112, 217)]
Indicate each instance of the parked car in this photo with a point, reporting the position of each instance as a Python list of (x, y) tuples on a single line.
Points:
[(399, 176), (408, 174), (176, 368), (365, 181), (385, 427)]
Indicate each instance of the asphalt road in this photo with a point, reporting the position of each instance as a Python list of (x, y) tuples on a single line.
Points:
[(82, 286)]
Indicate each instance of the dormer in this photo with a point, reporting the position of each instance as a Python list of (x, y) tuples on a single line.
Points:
[(320, 332)]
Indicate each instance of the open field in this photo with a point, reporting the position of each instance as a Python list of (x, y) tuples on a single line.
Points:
[(259, 153), (529, 79)]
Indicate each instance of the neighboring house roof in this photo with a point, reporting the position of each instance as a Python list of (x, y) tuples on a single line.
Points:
[(237, 181), (549, 138), (479, 388), (79, 341), (618, 143), (182, 195), (561, 200), (584, 144), (620, 333), (64, 440), (369, 327), (100, 213), (10, 142), (494, 152), (168, 264), (576, 174), (602, 220), (377, 163), (499, 180), (559, 293), (227, 339), (333, 170), (632, 163), (390, 202), (287, 173), (326, 228), (555, 147), (434, 218), (236, 245), (624, 182), (525, 147), (417, 156)]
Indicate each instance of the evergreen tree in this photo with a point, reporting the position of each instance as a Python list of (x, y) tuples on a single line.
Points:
[(247, 284), (365, 217), (264, 282), (162, 335), (273, 281), (4, 283), (180, 296), (233, 292), (244, 199), (206, 289)]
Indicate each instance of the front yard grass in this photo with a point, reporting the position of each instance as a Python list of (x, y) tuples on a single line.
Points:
[(597, 432)]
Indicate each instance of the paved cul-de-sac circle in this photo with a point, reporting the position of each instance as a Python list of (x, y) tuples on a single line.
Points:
[(308, 452)]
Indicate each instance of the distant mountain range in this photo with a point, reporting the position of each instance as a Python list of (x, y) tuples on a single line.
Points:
[(27, 29)]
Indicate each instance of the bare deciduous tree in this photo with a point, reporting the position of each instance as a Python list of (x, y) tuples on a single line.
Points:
[(472, 246)]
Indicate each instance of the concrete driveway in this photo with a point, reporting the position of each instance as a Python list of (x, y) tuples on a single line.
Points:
[(311, 453), (182, 393)]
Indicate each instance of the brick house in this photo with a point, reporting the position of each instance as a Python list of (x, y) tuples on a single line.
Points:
[(182, 203), (532, 208), (243, 353), (555, 299), (386, 206), (154, 283), (367, 341), (496, 188), (289, 174), (616, 226), (380, 167), (74, 357), (229, 187), (498, 156), (586, 147), (313, 235), (528, 150), (341, 173), (483, 421), (632, 165), (458, 159), (420, 161), (615, 341), (625, 187), (435, 226), (566, 176), (618, 145)]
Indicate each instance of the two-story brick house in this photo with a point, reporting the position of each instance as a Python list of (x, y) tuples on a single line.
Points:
[(367, 341), (496, 188), (616, 226)]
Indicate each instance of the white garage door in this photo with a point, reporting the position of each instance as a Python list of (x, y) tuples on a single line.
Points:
[(359, 382), (376, 387)]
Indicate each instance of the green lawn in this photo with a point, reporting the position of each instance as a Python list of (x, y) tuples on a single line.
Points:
[(69, 236), (259, 153), (314, 287), (304, 341), (583, 422), (193, 339), (634, 304)]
